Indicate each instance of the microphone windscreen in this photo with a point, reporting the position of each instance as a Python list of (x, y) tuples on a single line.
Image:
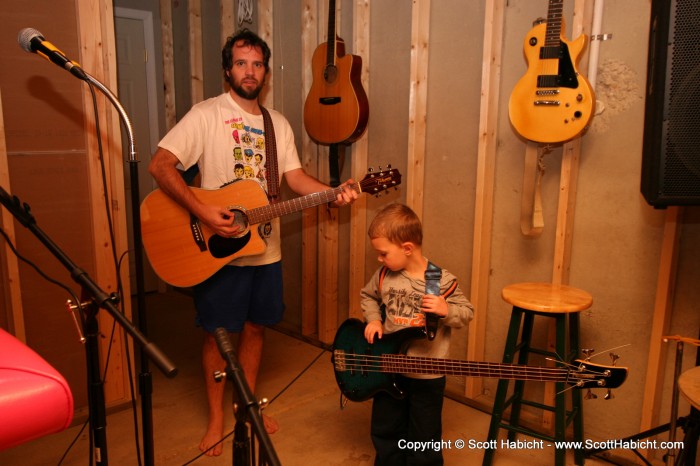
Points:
[(25, 37)]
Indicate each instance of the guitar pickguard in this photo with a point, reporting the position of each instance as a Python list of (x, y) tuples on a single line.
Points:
[(221, 247)]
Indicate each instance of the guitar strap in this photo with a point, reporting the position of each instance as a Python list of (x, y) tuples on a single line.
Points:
[(531, 219), (433, 274), (271, 170)]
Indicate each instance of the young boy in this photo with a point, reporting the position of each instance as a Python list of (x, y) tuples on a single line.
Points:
[(397, 236)]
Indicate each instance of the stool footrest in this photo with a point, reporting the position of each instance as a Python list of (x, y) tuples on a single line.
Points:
[(524, 431)]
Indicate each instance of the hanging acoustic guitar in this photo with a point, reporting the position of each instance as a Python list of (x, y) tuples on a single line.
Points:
[(552, 102), (336, 110), (362, 369)]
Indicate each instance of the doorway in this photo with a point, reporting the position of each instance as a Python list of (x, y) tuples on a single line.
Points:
[(137, 92)]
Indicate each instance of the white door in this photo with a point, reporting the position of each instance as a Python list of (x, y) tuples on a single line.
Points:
[(133, 79)]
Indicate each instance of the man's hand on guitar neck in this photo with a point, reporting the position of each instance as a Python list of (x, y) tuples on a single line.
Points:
[(348, 194)]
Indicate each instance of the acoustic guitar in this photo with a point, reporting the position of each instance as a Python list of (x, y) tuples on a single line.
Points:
[(185, 252), (363, 370), (336, 110), (552, 102)]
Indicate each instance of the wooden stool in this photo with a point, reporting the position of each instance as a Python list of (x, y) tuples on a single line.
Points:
[(561, 303)]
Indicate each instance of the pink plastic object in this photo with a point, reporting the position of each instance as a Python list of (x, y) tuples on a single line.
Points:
[(35, 399)]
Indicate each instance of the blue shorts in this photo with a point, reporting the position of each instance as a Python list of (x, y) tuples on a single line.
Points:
[(234, 295)]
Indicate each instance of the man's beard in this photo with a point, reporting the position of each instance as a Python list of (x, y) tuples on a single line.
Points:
[(248, 95)]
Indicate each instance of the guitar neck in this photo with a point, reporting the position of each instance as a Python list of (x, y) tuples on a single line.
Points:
[(554, 18), (268, 212), (330, 49), (401, 364)]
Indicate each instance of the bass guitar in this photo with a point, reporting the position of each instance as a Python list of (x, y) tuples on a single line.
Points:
[(185, 252), (336, 110), (552, 102), (363, 369)]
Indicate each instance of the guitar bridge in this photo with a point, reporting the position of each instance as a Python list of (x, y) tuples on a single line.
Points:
[(339, 360), (197, 234), (547, 92), (329, 100)]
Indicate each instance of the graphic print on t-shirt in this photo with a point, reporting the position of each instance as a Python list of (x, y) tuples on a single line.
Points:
[(249, 158), (248, 151), (403, 307)]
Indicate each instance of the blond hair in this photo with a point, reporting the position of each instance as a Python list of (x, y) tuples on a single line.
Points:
[(397, 223)]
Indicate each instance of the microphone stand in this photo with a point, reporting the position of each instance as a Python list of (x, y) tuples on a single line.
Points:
[(248, 409), (145, 380), (99, 299)]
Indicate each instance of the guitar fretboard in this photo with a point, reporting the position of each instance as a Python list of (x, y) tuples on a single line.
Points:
[(268, 212), (330, 50), (554, 15)]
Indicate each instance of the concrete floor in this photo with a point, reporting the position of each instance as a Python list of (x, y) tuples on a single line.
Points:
[(313, 428)]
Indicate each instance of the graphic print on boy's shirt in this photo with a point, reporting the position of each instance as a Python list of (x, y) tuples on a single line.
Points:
[(403, 307)]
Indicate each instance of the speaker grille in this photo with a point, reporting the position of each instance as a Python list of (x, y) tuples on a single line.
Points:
[(671, 159), (682, 170)]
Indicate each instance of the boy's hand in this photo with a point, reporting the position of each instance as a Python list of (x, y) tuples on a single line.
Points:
[(434, 304), (373, 328)]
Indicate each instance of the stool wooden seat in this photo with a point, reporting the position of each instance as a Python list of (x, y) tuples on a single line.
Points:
[(689, 386), (544, 300)]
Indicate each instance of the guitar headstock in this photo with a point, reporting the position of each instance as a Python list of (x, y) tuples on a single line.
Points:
[(382, 180), (585, 374)]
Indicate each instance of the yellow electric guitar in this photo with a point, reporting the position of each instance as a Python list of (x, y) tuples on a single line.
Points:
[(552, 102)]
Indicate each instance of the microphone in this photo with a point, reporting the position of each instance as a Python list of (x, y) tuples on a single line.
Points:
[(33, 41)]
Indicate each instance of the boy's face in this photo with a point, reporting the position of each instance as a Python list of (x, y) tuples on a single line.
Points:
[(390, 254)]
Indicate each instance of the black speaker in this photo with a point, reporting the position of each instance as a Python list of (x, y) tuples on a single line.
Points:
[(671, 152)]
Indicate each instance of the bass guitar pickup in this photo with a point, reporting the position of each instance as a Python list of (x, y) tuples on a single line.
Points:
[(329, 100)]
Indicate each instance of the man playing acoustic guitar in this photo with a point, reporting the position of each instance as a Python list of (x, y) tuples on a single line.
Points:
[(246, 295)]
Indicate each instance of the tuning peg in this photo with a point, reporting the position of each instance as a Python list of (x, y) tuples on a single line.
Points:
[(590, 395), (609, 395), (588, 352)]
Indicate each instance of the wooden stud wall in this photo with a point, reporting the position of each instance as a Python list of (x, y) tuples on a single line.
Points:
[(483, 210), (309, 217), (7, 257), (358, 215), (417, 104), (96, 22), (194, 10)]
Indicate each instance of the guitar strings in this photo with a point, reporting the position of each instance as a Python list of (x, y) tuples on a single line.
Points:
[(385, 363)]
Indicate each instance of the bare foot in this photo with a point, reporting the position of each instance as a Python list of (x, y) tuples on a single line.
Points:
[(271, 426), (209, 443)]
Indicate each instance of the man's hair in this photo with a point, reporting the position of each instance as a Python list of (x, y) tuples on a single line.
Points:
[(397, 223), (248, 38)]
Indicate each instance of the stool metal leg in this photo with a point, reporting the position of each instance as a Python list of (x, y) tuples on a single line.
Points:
[(560, 397), (502, 390), (519, 385), (576, 395)]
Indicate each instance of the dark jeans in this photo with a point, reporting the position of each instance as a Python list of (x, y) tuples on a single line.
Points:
[(415, 418)]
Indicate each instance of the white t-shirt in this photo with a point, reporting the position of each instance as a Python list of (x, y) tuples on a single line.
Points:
[(227, 144)]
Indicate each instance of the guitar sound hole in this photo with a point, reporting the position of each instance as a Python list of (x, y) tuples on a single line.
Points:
[(240, 219), (330, 74)]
